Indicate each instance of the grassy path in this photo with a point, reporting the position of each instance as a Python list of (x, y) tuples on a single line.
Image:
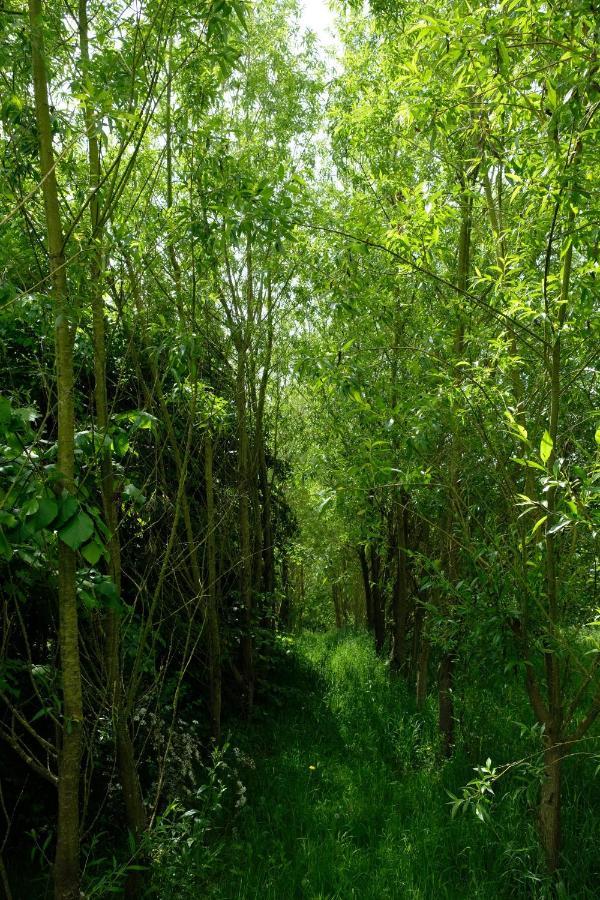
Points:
[(347, 797)]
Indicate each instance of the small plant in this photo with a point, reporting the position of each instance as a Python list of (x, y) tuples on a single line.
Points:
[(477, 794), (183, 844)]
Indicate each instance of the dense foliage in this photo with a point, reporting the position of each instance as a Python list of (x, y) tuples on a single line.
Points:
[(289, 346)]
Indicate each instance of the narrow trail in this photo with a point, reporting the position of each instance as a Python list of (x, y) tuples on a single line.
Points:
[(345, 797)]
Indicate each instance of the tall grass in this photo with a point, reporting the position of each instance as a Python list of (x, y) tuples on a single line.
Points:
[(348, 794)]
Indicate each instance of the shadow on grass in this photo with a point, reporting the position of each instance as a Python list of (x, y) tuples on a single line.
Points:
[(347, 797)]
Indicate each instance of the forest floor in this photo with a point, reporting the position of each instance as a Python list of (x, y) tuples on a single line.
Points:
[(347, 797)]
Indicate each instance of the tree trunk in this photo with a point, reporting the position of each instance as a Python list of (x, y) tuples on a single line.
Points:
[(285, 608), (268, 548), (4, 882), (422, 672), (247, 643), (446, 702), (337, 605), (302, 596), (214, 640), (549, 814), (66, 867), (132, 794), (550, 793), (364, 570), (400, 595), (446, 670), (175, 267), (420, 657), (377, 598)]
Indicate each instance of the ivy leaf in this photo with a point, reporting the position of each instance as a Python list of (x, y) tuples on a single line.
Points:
[(546, 447), (77, 531)]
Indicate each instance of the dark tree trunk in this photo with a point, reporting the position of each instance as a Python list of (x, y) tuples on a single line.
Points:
[(337, 605), (420, 657), (364, 569), (400, 597), (212, 612), (377, 599), (549, 814), (446, 702)]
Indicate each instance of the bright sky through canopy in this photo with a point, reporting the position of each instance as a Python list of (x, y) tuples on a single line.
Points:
[(317, 16)]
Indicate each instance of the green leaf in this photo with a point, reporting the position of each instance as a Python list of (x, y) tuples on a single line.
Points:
[(562, 523), (538, 524), (551, 94), (46, 513), (530, 463), (546, 447), (92, 552), (8, 519), (30, 507), (597, 435), (504, 55), (134, 493), (5, 410), (144, 420), (68, 508), (77, 531), (107, 590), (120, 443)]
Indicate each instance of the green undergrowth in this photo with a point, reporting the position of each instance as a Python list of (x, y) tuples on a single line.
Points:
[(341, 792)]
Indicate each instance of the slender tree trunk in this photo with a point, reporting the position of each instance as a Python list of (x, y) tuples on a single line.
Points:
[(132, 794), (364, 570), (257, 537), (66, 867), (176, 268), (4, 882), (337, 605), (550, 802), (378, 601), (422, 672), (400, 595), (550, 828), (285, 610), (420, 656), (446, 702), (268, 553), (214, 639), (247, 645), (302, 593), (447, 662), (267, 528)]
